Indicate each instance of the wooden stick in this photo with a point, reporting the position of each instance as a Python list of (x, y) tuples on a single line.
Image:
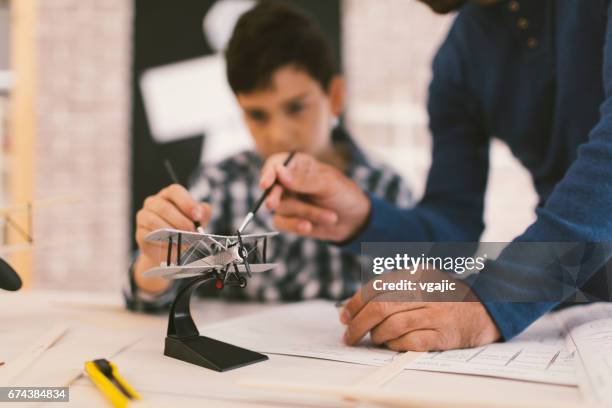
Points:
[(388, 372), (389, 398), (9, 249), (14, 368), (38, 204)]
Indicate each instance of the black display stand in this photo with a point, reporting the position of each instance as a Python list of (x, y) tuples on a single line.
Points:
[(185, 343)]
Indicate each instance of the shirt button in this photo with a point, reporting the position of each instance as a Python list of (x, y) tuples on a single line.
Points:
[(532, 43), (522, 23), (514, 6)]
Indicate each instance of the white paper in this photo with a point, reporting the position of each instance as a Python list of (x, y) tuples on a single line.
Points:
[(593, 341), (307, 329), (516, 360), (312, 329)]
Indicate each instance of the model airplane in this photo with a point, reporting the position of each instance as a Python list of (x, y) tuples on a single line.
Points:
[(207, 258), (225, 257)]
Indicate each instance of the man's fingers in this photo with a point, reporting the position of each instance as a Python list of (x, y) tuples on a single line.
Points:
[(351, 308), (371, 315), (418, 340), (293, 225), (293, 207), (274, 198), (304, 175), (284, 176), (305, 228), (358, 301), (399, 324), (181, 198), (169, 213), (271, 167), (268, 176)]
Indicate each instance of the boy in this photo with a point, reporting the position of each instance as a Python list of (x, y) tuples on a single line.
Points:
[(281, 69)]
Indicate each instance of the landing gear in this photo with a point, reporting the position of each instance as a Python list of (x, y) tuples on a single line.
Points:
[(219, 284), (236, 277)]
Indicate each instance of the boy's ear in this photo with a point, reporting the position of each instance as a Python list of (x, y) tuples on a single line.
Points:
[(336, 95)]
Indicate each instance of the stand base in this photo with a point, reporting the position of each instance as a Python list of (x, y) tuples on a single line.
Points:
[(210, 353)]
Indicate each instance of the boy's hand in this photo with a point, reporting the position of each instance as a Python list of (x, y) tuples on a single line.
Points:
[(172, 207), (314, 199)]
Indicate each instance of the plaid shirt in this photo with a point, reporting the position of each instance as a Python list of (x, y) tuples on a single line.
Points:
[(306, 268)]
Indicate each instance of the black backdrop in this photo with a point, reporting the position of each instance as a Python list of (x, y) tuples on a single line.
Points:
[(167, 32)]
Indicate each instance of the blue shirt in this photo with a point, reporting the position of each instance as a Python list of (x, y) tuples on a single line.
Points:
[(536, 74)]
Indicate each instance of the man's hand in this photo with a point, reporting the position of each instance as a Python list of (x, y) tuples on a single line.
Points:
[(172, 207), (314, 199), (417, 325)]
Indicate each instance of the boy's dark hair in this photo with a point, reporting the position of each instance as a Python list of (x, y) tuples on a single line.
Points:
[(271, 36)]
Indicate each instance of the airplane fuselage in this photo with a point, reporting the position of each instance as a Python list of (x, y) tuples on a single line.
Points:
[(224, 258)]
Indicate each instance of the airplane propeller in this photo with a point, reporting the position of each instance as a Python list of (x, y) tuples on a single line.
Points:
[(244, 253)]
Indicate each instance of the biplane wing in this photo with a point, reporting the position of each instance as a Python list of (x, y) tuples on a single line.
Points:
[(257, 268), (168, 271), (188, 237), (188, 271)]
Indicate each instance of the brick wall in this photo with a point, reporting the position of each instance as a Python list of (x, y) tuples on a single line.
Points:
[(82, 144)]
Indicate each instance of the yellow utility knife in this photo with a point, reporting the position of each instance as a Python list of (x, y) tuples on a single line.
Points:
[(105, 376)]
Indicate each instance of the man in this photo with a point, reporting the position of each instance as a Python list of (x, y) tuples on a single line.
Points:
[(537, 75), (291, 98)]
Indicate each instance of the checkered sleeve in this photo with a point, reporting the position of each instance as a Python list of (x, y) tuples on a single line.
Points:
[(393, 188), (384, 182)]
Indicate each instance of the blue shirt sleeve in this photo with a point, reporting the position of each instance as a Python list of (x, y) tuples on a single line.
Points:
[(453, 205), (579, 209)]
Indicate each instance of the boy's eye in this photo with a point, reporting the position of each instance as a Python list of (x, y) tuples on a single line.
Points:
[(295, 108), (257, 115)]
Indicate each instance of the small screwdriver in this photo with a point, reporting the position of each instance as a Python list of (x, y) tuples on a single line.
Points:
[(175, 180), (251, 214)]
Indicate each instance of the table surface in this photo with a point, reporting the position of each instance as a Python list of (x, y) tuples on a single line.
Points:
[(174, 383)]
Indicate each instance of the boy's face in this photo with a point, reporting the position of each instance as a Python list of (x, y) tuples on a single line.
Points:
[(294, 113)]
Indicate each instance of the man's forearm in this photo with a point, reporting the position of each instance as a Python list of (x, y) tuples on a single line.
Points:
[(389, 223)]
